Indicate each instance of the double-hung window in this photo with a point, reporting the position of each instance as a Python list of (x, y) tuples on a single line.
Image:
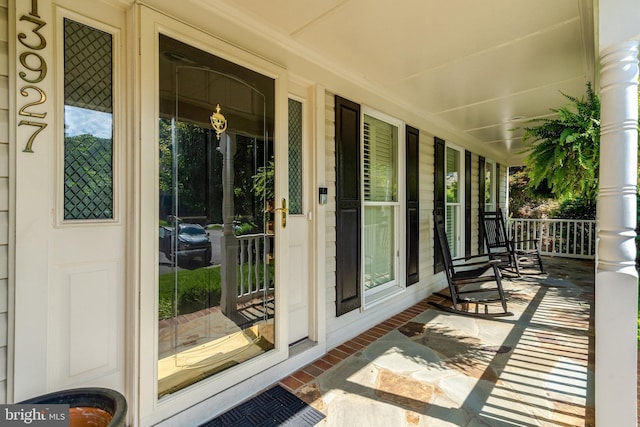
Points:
[(376, 205), (489, 186), (454, 162), (381, 203)]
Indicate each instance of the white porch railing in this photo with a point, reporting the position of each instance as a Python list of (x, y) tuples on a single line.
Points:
[(571, 238), (253, 269)]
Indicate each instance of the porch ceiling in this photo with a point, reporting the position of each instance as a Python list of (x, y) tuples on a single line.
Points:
[(470, 65)]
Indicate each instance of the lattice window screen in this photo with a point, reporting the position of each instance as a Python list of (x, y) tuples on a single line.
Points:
[(88, 148), (295, 157)]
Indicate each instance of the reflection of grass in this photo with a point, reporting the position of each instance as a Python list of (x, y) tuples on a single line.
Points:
[(197, 290)]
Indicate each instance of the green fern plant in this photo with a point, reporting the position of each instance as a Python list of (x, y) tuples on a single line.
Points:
[(565, 150)]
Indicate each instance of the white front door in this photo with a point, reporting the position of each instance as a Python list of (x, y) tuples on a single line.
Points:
[(71, 213), (300, 217)]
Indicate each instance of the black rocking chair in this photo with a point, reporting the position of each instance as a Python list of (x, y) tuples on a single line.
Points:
[(461, 273), (500, 247)]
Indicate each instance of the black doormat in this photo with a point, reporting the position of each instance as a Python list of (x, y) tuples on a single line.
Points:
[(272, 408)]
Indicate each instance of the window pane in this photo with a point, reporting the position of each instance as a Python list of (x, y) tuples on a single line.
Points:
[(452, 229), (379, 153), (295, 157), (488, 184), (88, 123), (453, 199), (379, 245), (453, 175)]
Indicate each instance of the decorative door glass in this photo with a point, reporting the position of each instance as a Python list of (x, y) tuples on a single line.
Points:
[(295, 157), (88, 122), (216, 299)]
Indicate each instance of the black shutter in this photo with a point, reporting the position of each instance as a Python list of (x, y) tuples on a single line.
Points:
[(348, 205), (497, 186), (412, 148), (481, 199), (467, 203), (438, 199)]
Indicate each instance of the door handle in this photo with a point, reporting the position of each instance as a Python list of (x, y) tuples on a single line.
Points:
[(283, 212)]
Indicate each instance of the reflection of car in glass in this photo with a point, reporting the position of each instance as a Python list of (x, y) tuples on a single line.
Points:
[(193, 243)]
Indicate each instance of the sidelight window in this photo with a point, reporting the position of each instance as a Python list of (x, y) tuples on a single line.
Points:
[(88, 122)]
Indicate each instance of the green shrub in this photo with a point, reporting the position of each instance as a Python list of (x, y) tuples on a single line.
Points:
[(575, 208)]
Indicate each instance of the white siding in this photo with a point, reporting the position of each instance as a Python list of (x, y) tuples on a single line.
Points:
[(4, 196), (330, 180), (426, 159)]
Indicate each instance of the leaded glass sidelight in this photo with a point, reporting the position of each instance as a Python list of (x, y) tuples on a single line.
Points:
[(295, 157), (88, 122)]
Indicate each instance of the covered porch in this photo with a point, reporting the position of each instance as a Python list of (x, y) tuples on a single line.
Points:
[(427, 367), (446, 87)]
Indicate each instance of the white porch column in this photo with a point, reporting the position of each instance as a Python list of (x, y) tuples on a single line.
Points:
[(616, 276)]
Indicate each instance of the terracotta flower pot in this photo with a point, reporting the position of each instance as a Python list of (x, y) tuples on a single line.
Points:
[(90, 406)]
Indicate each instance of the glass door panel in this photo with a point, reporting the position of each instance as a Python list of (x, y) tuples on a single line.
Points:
[(216, 294)]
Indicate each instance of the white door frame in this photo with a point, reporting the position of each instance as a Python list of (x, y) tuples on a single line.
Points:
[(301, 92), (151, 410)]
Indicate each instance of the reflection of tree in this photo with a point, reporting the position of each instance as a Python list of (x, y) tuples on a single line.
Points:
[(246, 161), (199, 170), (88, 176), (264, 190), (263, 183), (166, 157), (191, 152)]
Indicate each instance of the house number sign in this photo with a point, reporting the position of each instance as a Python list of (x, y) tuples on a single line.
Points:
[(34, 70)]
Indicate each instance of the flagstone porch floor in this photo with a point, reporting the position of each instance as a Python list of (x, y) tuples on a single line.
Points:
[(426, 367)]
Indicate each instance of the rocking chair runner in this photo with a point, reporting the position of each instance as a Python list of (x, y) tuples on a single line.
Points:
[(499, 246), (459, 275)]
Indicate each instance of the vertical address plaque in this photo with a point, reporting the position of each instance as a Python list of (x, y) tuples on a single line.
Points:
[(33, 72)]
